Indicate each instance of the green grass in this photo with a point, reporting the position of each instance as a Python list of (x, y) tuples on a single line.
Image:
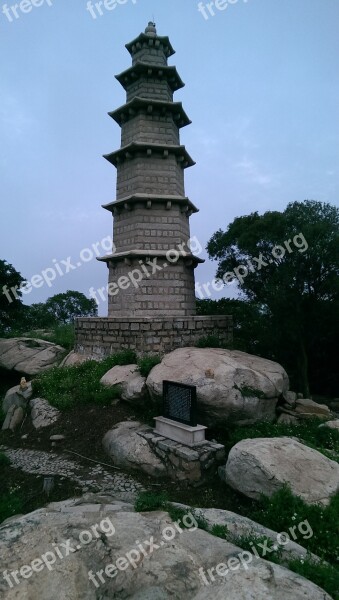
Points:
[(62, 335), (283, 510), (69, 387), (147, 363), (4, 460), (147, 501), (11, 503), (322, 574)]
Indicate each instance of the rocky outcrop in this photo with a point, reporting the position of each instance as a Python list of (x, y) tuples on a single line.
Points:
[(29, 356), (232, 386), (129, 450), (128, 378), (42, 413), (307, 408), (74, 359), (102, 536), (264, 465)]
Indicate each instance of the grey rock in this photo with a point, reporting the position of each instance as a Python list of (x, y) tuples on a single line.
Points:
[(17, 396), (170, 571), (29, 356), (130, 450), (132, 384), (42, 413), (223, 379), (17, 418), (264, 465)]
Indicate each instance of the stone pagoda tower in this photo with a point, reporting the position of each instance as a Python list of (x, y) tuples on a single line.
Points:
[(151, 287), (151, 212)]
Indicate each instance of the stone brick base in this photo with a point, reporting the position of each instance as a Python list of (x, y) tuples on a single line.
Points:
[(183, 463), (100, 337)]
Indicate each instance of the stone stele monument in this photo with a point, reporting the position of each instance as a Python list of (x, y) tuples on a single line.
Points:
[(151, 290)]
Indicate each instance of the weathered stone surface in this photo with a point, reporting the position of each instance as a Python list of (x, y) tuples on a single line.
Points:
[(8, 417), (238, 526), (224, 380), (73, 359), (331, 424), (290, 398), (133, 385), (263, 465), (130, 450), (42, 413), (18, 417), (308, 408), (168, 571), (17, 396), (29, 356)]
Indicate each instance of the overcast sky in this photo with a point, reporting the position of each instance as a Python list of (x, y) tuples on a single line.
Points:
[(261, 89)]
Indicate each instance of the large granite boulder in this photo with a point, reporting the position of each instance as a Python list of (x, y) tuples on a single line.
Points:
[(129, 450), (264, 465), (128, 378), (106, 536), (232, 386), (29, 356), (43, 414)]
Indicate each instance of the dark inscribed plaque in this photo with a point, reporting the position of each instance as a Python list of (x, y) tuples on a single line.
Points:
[(180, 402)]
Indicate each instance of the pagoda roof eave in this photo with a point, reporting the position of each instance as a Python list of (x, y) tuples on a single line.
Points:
[(127, 151), (156, 198), (139, 102), (143, 37), (130, 254), (130, 74)]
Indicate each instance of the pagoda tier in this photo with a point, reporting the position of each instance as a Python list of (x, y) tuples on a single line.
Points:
[(151, 212)]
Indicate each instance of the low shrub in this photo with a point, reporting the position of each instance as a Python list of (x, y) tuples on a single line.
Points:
[(147, 363)]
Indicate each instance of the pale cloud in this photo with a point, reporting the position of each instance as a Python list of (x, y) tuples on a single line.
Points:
[(253, 173), (14, 122)]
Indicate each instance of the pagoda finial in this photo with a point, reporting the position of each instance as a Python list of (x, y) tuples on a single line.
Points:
[(151, 29)]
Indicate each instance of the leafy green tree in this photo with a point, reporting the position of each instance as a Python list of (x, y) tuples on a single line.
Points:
[(11, 307), (288, 265), (64, 308)]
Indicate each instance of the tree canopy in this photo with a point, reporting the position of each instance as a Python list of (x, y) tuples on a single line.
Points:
[(287, 263)]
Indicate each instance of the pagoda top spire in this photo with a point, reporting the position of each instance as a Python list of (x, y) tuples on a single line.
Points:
[(151, 29)]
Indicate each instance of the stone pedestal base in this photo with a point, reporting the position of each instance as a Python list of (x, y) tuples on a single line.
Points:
[(188, 464), (100, 337), (189, 436)]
